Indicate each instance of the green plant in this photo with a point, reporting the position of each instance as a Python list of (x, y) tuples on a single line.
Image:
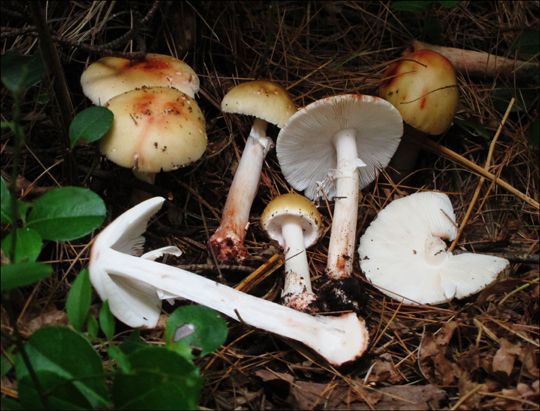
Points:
[(62, 367)]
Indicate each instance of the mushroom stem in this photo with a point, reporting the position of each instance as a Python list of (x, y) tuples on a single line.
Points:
[(297, 291), (435, 251), (342, 236), (228, 240), (338, 339), (476, 63)]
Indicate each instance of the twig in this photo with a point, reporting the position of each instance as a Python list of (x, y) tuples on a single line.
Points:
[(436, 148), (482, 179)]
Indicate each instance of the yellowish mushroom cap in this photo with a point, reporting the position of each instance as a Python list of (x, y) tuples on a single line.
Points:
[(111, 76), (423, 87), (262, 99), (295, 205), (154, 129)]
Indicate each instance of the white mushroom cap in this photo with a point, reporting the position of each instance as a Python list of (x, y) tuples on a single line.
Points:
[(132, 301), (404, 254), (295, 205), (111, 76), (305, 148), (154, 129), (260, 98)]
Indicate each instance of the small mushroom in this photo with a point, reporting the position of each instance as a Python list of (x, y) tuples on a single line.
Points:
[(403, 253), (334, 147), (135, 285), (268, 102), (295, 223), (423, 87), (111, 76), (154, 129)]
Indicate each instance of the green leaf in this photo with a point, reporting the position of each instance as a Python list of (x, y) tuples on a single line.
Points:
[(528, 42), (28, 245), (448, 4), (67, 213), (68, 368), (78, 300), (92, 327), (195, 330), (133, 343), (415, 6), (11, 404), (106, 320), (471, 126), (159, 379), (7, 363), (534, 136), (116, 354), (19, 274), (90, 124), (5, 202), (21, 72)]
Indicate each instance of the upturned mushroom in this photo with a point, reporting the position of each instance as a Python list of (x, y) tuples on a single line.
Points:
[(154, 129), (295, 223), (334, 147), (423, 88), (111, 76), (135, 285), (269, 103), (404, 254)]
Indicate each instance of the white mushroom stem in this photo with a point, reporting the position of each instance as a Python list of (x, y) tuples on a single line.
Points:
[(297, 292), (342, 237), (227, 241), (435, 252), (338, 339)]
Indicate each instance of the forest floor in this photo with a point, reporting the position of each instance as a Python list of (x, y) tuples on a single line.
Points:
[(480, 352)]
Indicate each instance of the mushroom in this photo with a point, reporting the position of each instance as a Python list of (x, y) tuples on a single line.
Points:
[(403, 253), (154, 129), (423, 87), (268, 102), (111, 76), (126, 281), (344, 139), (295, 223)]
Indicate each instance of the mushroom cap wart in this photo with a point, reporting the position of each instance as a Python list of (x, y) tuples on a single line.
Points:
[(260, 98), (111, 76), (305, 149), (295, 205), (423, 87), (404, 254), (154, 129)]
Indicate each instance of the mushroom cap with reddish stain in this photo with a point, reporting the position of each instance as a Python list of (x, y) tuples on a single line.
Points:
[(154, 129), (111, 76), (260, 98), (423, 87)]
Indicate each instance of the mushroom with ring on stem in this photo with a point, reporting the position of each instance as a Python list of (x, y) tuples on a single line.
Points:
[(423, 88), (295, 223), (268, 102), (403, 253), (123, 279), (335, 147)]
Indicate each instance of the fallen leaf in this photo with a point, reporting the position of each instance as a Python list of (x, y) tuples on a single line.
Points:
[(505, 356)]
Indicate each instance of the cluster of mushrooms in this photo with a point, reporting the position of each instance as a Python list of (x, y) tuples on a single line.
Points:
[(332, 149)]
